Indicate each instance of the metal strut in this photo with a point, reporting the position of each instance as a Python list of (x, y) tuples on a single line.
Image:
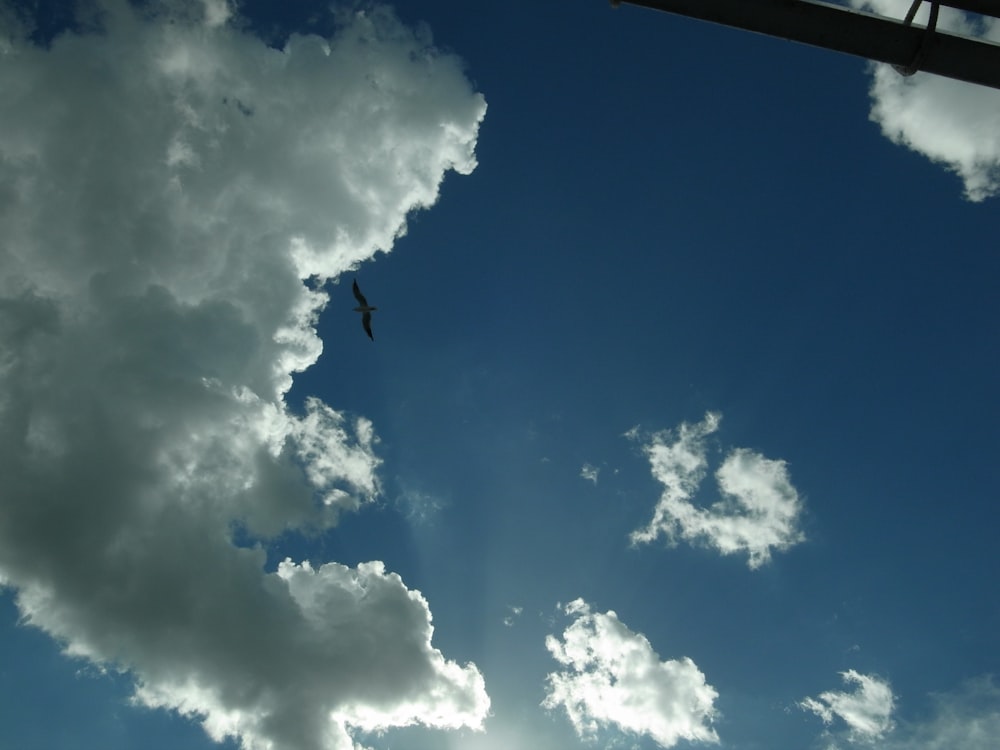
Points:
[(925, 41), (823, 24)]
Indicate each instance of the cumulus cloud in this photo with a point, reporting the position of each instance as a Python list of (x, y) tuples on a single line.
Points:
[(867, 710), (760, 508), (168, 185), (951, 122), (613, 677)]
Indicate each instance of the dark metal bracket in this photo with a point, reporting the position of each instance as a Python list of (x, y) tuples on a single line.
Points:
[(925, 41), (906, 47)]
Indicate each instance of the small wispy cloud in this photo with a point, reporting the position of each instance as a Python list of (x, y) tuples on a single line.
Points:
[(614, 679), (590, 473), (760, 508), (867, 710), (419, 506), (966, 718), (513, 612)]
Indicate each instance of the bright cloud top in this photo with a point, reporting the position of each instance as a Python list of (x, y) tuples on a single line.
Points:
[(951, 122), (760, 509), (166, 186), (867, 711), (614, 677)]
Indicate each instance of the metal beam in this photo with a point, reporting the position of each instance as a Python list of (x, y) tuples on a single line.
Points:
[(982, 7), (856, 33)]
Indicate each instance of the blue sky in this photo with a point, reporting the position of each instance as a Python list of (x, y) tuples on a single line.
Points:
[(678, 429)]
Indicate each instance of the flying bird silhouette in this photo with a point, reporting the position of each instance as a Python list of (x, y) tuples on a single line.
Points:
[(365, 309)]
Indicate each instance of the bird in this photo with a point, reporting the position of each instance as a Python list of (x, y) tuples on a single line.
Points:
[(365, 309)]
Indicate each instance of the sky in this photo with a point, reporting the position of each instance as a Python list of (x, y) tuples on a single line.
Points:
[(678, 428)]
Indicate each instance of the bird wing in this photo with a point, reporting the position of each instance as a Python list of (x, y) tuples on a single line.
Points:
[(366, 321), (359, 296)]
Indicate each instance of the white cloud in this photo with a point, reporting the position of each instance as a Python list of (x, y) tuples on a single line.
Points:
[(680, 466), (165, 187), (760, 509), (614, 677), (867, 711), (590, 473), (340, 634), (514, 612), (968, 718), (217, 12), (951, 122), (418, 506)]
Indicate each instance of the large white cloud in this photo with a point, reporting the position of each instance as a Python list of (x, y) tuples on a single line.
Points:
[(614, 677), (867, 710), (949, 121), (166, 185), (760, 510)]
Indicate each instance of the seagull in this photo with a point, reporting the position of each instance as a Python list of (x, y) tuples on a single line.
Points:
[(365, 309)]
